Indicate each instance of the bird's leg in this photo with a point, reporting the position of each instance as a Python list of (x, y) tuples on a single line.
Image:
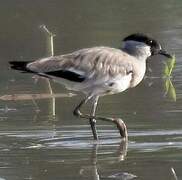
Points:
[(119, 122), (92, 120), (77, 112), (90, 117)]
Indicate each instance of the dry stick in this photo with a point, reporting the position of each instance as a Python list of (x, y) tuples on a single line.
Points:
[(51, 43), (20, 97), (174, 173)]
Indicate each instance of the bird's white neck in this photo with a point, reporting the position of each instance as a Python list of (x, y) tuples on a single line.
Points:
[(137, 49)]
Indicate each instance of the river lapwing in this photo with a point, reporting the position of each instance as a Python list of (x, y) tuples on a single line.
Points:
[(98, 71)]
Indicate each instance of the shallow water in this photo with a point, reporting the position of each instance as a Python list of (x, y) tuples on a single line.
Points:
[(36, 145)]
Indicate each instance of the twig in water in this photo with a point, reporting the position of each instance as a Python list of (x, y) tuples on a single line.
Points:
[(50, 36), (174, 173)]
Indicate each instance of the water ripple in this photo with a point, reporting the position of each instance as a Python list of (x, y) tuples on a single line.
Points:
[(71, 138)]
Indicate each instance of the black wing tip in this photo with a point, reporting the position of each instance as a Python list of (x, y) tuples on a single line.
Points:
[(19, 65)]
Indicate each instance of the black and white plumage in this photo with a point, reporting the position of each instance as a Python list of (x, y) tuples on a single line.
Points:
[(98, 71)]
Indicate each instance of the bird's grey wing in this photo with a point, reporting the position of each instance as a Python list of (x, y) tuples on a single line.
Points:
[(56, 66), (84, 64)]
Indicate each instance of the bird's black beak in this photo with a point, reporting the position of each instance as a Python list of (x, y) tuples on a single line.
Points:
[(165, 53)]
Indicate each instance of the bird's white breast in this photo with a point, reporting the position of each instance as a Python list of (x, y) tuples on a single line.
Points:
[(120, 83)]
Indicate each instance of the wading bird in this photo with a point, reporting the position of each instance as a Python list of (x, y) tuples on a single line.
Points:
[(98, 71)]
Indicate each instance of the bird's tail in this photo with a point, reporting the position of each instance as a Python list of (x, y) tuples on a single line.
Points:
[(19, 65)]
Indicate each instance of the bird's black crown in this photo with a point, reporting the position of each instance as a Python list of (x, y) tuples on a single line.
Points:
[(139, 37)]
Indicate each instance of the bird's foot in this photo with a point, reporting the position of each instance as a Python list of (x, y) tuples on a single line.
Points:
[(118, 121), (121, 127)]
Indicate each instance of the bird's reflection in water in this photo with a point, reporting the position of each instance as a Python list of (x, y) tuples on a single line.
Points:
[(93, 169)]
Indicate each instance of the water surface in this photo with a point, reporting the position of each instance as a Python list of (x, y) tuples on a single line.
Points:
[(36, 145)]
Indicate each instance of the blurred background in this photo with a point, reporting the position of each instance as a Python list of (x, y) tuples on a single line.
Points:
[(34, 144)]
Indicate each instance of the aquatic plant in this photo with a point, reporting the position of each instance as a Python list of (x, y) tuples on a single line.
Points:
[(170, 90)]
